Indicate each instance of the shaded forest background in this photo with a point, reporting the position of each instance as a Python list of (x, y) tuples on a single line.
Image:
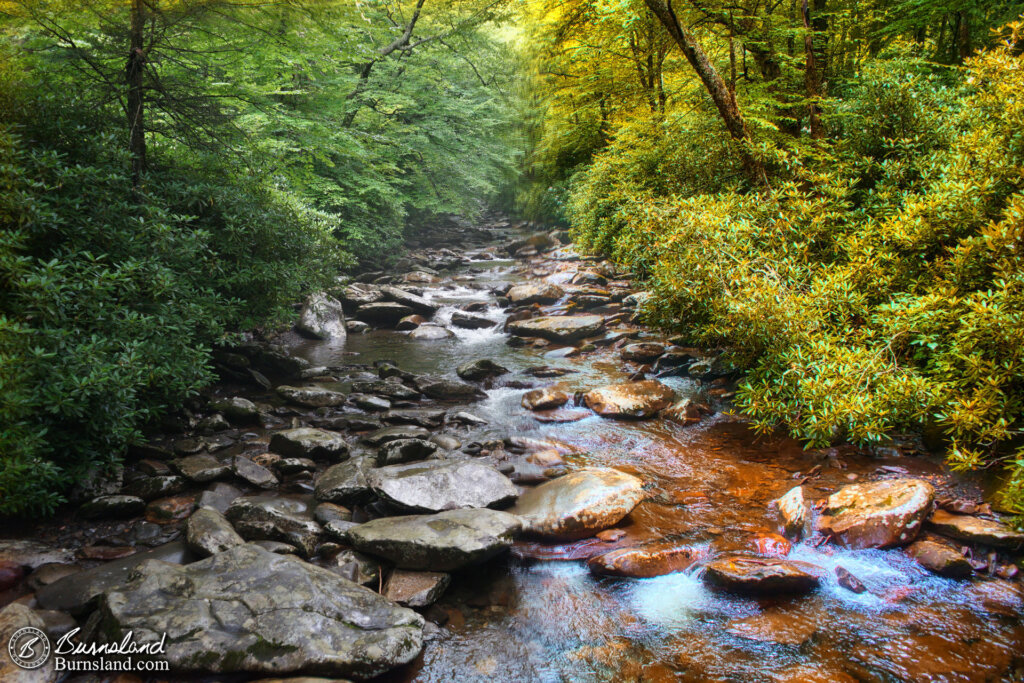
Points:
[(829, 190)]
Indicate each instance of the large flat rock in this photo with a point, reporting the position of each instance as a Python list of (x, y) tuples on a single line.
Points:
[(250, 610), (579, 504), (441, 542), (877, 514), (637, 400), (438, 485), (975, 530), (563, 328)]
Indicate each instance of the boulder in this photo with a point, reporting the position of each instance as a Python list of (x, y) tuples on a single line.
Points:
[(383, 312), (417, 303), (645, 561), (761, 575), (686, 412), (236, 409), (358, 294), (975, 530), (250, 610), (402, 451), (356, 567), (256, 474), (391, 387), (539, 293), (201, 468), (416, 589), (561, 328), (383, 436), (439, 485), (637, 400), (940, 558), (276, 518), (478, 370), (579, 504), (13, 618), (468, 321), (151, 488), (346, 483), (444, 389), (322, 318), (431, 333), (643, 352), (877, 514), (309, 442), (108, 507), (312, 397), (442, 542), (793, 511), (410, 322), (208, 532), (547, 398)]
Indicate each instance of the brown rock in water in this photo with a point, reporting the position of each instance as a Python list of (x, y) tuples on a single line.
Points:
[(793, 511), (416, 589), (848, 581), (642, 352), (631, 400), (579, 504), (878, 514), (544, 399), (940, 558), (761, 575), (560, 328), (540, 293), (686, 412), (410, 322), (792, 628), (975, 530), (645, 561)]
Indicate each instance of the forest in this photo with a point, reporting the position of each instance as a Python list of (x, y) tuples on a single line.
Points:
[(830, 191)]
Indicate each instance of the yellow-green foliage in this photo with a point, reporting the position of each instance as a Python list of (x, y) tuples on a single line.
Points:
[(878, 286)]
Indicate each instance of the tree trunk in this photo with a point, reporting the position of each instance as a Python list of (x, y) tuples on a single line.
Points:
[(813, 70), (136, 96), (721, 95)]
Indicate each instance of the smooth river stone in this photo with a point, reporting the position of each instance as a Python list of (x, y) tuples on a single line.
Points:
[(761, 575), (250, 610), (439, 485), (561, 328), (877, 514), (579, 504), (975, 530), (442, 542), (540, 293), (645, 561), (637, 400)]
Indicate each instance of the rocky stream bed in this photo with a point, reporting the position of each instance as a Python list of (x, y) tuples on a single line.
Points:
[(481, 467)]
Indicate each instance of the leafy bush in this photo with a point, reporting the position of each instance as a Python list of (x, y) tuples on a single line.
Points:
[(109, 305)]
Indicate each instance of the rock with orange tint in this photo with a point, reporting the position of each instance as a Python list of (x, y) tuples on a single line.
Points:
[(793, 511), (975, 530), (761, 575), (772, 544), (560, 328), (877, 514), (637, 400), (686, 412), (940, 558), (579, 504), (792, 628), (645, 561), (544, 399)]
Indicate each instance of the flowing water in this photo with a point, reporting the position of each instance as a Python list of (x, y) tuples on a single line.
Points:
[(710, 486)]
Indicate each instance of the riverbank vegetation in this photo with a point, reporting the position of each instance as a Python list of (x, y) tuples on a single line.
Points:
[(831, 191), (175, 171)]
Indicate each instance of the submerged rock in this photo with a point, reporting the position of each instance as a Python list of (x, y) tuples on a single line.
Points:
[(322, 318), (249, 610), (579, 504), (442, 485), (562, 328), (645, 561), (630, 400), (442, 542), (975, 530), (761, 575), (877, 514)]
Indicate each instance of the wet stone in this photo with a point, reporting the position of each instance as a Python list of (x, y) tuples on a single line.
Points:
[(793, 511), (168, 510), (383, 312), (346, 483), (416, 589), (540, 293), (643, 352), (407, 298), (276, 518), (218, 496), (12, 618), (249, 610), (426, 418), (405, 450), (309, 442), (636, 400), (431, 333), (975, 530), (293, 466), (479, 370), (645, 561), (439, 485), (877, 514), (109, 507), (565, 328), (375, 404), (326, 513), (150, 488), (410, 322), (544, 399), (391, 388), (208, 532), (761, 575), (848, 581), (236, 409), (383, 436), (686, 412), (444, 389), (940, 559), (579, 504), (311, 397), (471, 322), (356, 567), (255, 474), (201, 468)]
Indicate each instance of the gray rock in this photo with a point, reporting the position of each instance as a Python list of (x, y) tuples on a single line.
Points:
[(257, 475), (208, 532), (471, 322), (444, 389), (77, 592), (382, 436), (309, 442), (383, 312), (449, 443), (539, 293), (417, 303), (431, 333), (151, 488), (442, 485), (356, 326), (312, 397), (416, 589), (477, 370), (322, 317), (212, 424), (288, 466), (346, 483), (561, 328), (249, 610), (108, 507), (288, 519), (237, 409), (405, 450), (579, 504), (356, 567), (201, 468), (358, 294), (425, 417), (442, 542), (410, 322), (325, 513), (391, 388), (218, 496), (12, 618), (375, 404)]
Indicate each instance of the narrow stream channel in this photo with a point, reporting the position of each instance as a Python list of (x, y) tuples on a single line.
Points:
[(708, 485)]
